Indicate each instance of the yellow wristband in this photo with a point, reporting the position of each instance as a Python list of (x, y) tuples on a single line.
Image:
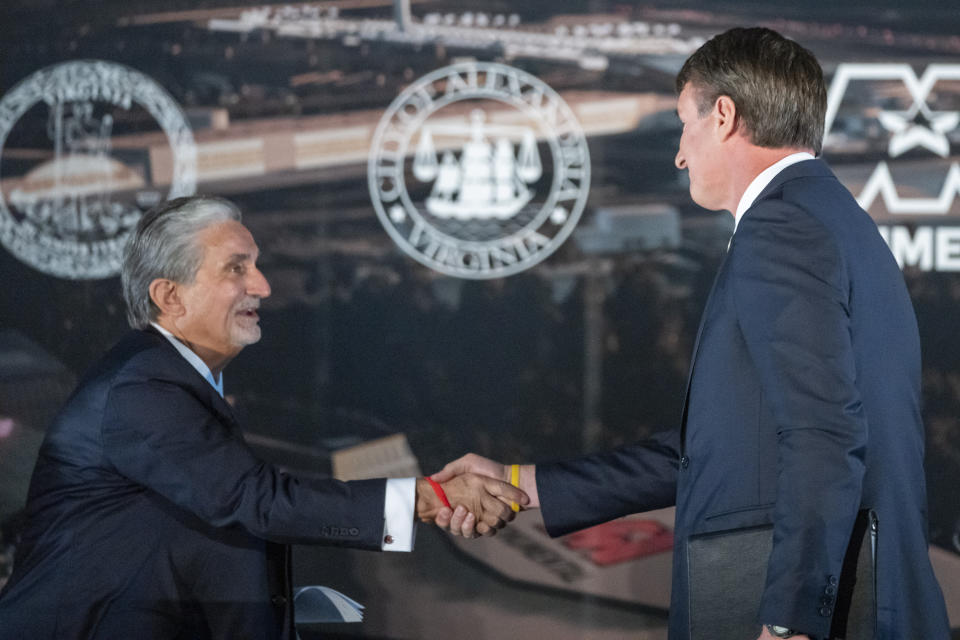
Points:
[(515, 481)]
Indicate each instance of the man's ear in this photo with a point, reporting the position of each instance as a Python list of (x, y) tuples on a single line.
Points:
[(725, 117), (166, 295)]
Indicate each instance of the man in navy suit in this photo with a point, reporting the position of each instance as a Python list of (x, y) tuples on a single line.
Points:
[(148, 516), (803, 401)]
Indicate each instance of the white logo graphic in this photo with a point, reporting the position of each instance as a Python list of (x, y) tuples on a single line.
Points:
[(479, 204), (70, 214), (916, 127)]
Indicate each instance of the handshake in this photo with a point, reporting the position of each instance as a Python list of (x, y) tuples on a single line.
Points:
[(481, 495)]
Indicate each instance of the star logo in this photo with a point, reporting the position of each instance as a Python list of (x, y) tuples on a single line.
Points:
[(917, 127)]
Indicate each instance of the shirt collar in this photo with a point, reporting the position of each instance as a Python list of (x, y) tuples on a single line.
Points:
[(763, 179), (193, 359)]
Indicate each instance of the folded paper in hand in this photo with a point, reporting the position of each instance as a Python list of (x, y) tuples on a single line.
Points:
[(323, 604)]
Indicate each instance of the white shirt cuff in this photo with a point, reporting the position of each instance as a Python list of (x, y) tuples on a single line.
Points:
[(398, 512)]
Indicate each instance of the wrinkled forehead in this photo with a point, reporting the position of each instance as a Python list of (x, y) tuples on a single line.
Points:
[(227, 240)]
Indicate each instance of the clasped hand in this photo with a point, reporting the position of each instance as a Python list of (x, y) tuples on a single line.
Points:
[(481, 504)]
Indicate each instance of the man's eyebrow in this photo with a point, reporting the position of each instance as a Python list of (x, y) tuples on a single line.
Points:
[(238, 257)]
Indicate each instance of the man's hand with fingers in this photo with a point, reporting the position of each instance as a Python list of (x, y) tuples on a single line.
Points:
[(461, 521), (472, 463), (482, 503)]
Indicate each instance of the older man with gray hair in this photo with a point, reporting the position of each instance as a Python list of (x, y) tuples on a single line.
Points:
[(148, 515)]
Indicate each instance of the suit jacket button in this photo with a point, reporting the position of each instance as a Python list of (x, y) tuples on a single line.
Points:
[(832, 580), (826, 612), (278, 600), (830, 590), (684, 462)]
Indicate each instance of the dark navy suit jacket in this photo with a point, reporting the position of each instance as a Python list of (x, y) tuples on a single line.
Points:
[(803, 405), (149, 517)]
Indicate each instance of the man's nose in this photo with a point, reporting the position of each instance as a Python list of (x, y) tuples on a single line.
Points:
[(680, 161), (258, 285)]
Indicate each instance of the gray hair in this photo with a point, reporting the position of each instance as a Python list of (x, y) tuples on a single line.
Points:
[(776, 84), (164, 245)]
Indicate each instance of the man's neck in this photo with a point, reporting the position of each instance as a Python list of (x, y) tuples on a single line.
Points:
[(747, 162), (214, 360)]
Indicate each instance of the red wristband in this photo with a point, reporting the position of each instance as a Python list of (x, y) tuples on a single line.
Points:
[(437, 489)]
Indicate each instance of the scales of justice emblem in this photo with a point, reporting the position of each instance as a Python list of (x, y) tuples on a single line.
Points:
[(70, 215), (479, 170), (488, 181)]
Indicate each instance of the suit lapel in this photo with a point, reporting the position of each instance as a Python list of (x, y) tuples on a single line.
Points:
[(696, 348), (806, 168), (224, 410), (197, 384)]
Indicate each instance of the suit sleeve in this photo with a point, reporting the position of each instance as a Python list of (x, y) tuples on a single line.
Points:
[(161, 436), (580, 493), (792, 300)]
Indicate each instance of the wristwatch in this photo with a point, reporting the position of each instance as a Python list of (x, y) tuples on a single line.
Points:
[(780, 632)]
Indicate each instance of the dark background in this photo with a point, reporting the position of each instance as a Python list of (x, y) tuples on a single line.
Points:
[(360, 341)]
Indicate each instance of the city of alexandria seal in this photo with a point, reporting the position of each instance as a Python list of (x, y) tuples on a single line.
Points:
[(81, 159), (479, 170)]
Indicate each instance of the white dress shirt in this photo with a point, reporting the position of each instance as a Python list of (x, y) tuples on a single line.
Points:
[(762, 180), (399, 501)]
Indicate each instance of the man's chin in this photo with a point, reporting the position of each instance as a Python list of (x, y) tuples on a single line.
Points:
[(706, 203), (247, 336), (704, 198)]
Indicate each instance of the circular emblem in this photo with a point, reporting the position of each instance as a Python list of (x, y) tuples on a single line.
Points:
[(80, 160), (479, 170)]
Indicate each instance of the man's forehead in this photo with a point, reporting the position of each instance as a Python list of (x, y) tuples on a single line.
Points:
[(689, 100), (229, 240)]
